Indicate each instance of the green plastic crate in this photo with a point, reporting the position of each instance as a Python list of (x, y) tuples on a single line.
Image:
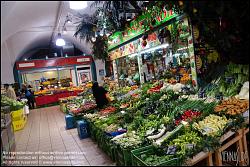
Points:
[(93, 131), (123, 156), (107, 146), (149, 150)]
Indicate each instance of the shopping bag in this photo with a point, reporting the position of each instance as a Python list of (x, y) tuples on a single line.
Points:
[(26, 109)]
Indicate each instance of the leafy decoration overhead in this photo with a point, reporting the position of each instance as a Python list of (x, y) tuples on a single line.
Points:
[(100, 48), (87, 27), (223, 26)]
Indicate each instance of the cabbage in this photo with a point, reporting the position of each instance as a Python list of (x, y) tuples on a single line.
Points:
[(14, 105)]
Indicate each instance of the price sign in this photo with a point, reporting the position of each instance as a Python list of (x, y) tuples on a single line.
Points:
[(171, 150)]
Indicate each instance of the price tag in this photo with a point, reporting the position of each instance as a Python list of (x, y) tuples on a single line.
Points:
[(246, 114), (171, 150), (190, 146)]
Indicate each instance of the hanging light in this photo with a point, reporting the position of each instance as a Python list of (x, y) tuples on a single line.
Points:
[(25, 59), (76, 5), (60, 41)]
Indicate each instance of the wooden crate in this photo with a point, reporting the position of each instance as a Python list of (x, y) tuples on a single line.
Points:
[(237, 139), (244, 140), (199, 157)]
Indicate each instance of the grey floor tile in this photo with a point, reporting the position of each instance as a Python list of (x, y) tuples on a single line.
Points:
[(46, 128)]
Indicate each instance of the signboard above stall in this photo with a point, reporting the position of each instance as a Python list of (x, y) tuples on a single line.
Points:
[(32, 64), (137, 28), (135, 46)]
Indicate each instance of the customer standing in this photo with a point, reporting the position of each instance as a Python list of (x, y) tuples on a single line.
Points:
[(29, 96), (100, 95), (10, 92)]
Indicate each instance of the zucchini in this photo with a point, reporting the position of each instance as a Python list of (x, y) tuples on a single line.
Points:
[(162, 131), (167, 135)]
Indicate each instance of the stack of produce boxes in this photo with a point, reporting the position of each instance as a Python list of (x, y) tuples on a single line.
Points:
[(7, 132), (19, 119)]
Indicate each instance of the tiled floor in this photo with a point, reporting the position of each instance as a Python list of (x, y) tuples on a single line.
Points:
[(45, 132)]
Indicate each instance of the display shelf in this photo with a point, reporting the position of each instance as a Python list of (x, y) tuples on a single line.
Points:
[(236, 139), (245, 146), (148, 150), (199, 157)]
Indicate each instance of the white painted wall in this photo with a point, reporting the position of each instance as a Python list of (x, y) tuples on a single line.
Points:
[(73, 77), (26, 25), (6, 66)]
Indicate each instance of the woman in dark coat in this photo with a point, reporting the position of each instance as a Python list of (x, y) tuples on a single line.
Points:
[(100, 95), (29, 96)]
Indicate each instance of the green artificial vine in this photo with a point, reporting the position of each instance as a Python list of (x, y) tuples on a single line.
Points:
[(100, 48)]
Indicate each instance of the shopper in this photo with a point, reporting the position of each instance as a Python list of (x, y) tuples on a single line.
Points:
[(29, 95), (10, 92), (100, 95)]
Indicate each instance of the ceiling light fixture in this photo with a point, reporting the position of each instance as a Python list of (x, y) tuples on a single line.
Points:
[(155, 48), (25, 59), (76, 5), (60, 41)]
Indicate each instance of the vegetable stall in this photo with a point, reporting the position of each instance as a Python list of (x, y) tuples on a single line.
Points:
[(188, 105), (165, 124)]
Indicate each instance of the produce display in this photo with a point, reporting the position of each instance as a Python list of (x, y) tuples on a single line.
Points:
[(174, 119), (108, 110), (57, 90), (212, 125), (232, 106), (14, 104), (229, 83), (188, 116), (185, 143), (244, 91), (83, 108), (79, 104), (155, 89), (127, 140)]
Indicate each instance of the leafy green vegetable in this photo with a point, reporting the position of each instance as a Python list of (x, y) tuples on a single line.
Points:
[(14, 105)]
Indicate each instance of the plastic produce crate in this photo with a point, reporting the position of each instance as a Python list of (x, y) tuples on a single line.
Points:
[(18, 125), (63, 107), (107, 146), (82, 129), (70, 121), (150, 150), (17, 115), (123, 156)]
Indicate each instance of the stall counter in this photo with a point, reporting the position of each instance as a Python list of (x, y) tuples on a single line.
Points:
[(48, 99)]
